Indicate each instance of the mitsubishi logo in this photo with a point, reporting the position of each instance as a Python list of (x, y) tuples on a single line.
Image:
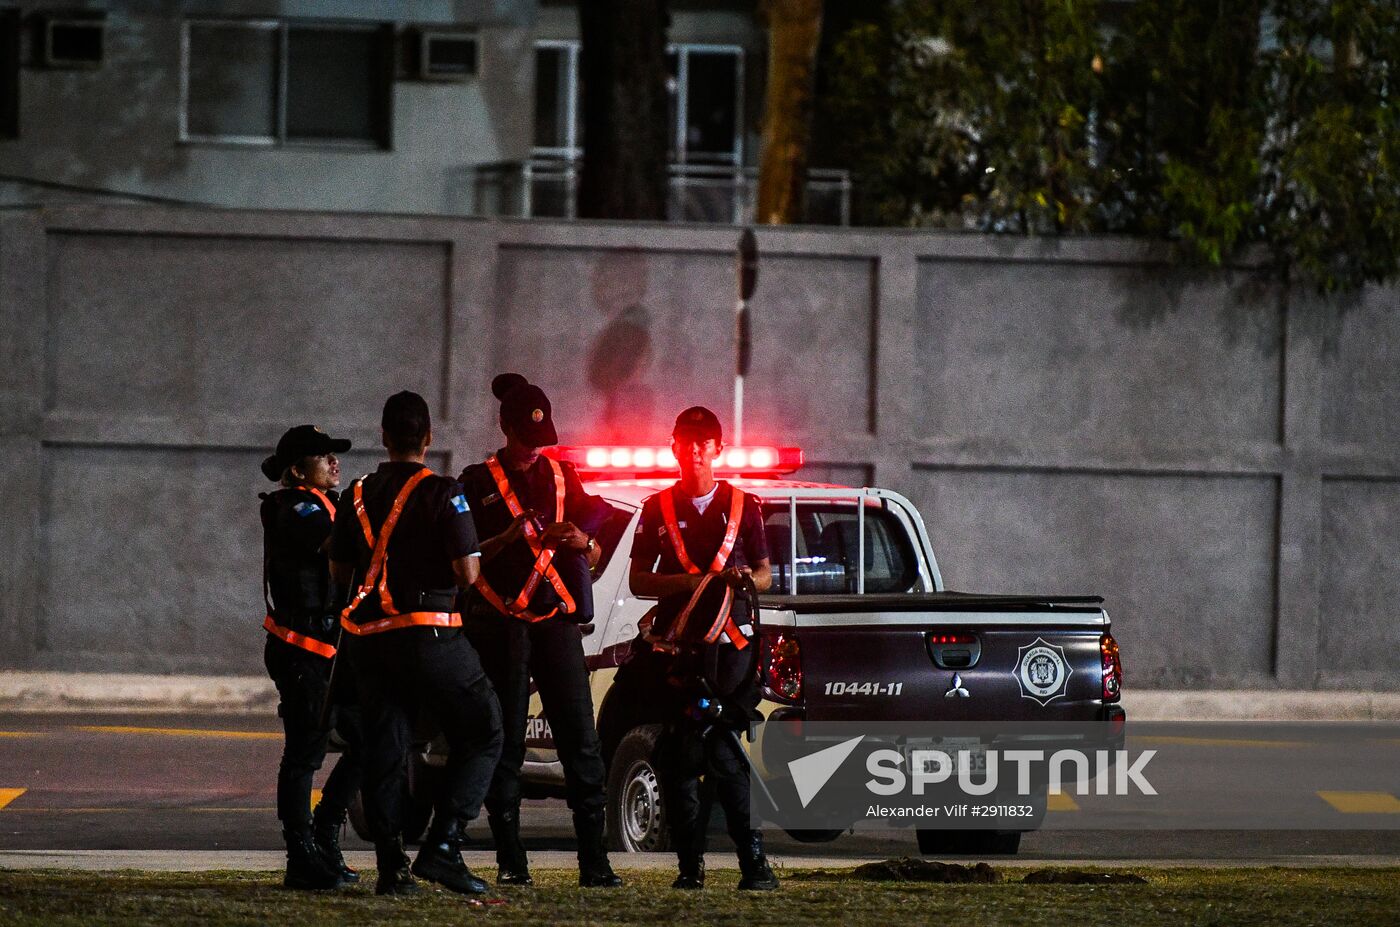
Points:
[(957, 690)]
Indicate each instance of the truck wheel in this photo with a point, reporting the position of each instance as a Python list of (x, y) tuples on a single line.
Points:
[(814, 836), (968, 842), (636, 814), (417, 803)]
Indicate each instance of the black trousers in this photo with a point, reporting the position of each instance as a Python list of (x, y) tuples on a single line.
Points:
[(400, 673), (551, 651), (686, 751), (302, 678)]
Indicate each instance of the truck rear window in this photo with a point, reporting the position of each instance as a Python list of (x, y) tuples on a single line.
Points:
[(827, 541)]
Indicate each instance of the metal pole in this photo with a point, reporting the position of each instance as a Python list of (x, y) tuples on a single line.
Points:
[(748, 281)]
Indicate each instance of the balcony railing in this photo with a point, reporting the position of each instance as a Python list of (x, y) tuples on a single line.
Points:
[(548, 188)]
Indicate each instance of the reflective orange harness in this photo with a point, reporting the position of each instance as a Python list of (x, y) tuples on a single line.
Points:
[(543, 568), (377, 576), (270, 625), (667, 502)]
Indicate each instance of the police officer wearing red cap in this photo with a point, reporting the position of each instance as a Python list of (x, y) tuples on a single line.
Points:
[(523, 616), (408, 543), (301, 641), (705, 526)]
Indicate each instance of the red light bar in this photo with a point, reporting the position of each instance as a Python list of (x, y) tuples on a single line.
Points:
[(644, 460)]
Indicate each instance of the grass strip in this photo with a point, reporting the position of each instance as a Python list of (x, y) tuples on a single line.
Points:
[(1276, 897)]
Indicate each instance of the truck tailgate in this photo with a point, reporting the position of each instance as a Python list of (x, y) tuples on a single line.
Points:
[(870, 658)]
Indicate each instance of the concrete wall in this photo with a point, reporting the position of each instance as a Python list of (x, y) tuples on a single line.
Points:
[(1070, 416)]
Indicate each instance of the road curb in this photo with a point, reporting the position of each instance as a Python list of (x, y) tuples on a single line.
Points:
[(52, 693)]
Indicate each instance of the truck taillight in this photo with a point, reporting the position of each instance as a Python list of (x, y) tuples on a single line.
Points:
[(782, 674), (1112, 668)]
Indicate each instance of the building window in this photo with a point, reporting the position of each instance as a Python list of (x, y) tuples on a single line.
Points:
[(706, 91), (706, 104), (558, 104), (268, 82)]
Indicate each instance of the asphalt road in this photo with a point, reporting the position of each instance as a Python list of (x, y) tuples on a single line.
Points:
[(162, 782)]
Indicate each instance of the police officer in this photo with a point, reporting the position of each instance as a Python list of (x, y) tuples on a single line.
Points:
[(702, 525), (301, 641), (523, 617), (408, 542)]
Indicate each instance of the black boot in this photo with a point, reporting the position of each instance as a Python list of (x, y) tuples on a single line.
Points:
[(692, 875), (753, 865), (512, 868), (307, 869), (440, 860), (394, 876), (594, 870), (325, 829)]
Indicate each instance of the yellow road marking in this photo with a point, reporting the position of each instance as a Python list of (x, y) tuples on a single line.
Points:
[(179, 732), (1217, 742), (22, 733), (315, 798), (9, 795), (268, 810), (1059, 801), (1362, 802)]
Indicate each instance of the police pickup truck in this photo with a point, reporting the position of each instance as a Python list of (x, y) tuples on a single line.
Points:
[(857, 627)]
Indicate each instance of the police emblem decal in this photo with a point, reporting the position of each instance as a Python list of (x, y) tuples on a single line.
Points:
[(537, 416), (1042, 671)]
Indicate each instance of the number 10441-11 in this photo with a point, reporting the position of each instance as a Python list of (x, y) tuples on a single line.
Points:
[(864, 688)]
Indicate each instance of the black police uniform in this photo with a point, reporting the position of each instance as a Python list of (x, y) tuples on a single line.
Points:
[(301, 636), (550, 650), (415, 657), (691, 746)]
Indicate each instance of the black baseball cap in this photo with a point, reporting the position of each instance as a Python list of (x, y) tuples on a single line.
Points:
[(525, 410), (699, 422), (301, 441)]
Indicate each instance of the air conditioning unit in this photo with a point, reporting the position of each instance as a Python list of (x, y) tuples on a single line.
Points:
[(447, 54), (72, 40)]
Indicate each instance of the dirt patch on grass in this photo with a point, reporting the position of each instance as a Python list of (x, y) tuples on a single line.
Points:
[(1081, 877)]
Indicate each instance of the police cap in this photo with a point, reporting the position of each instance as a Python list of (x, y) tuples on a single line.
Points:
[(301, 441), (698, 422), (525, 410)]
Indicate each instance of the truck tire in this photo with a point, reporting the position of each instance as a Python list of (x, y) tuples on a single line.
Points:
[(636, 813), (968, 842), (814, 836), (419, 789)]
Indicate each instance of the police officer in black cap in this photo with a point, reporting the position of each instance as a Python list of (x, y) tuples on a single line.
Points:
[(408, 543), (301, 642), (523, 617), (701, 527)]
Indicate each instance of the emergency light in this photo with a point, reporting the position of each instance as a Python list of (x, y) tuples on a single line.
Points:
[(623, 460)]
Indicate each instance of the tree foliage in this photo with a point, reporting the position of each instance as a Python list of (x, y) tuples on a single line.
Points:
[(1215, 125)]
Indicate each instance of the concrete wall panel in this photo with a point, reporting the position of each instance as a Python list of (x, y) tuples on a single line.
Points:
[(627, 339), (1360, 584), (1064, 355), (1361, 379), (166, 326), (1185, 562)]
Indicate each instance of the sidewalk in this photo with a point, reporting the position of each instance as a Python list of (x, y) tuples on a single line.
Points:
[(128, 693), (485, 861)]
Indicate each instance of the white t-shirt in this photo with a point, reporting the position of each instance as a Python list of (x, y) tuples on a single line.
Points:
[(703, 502)]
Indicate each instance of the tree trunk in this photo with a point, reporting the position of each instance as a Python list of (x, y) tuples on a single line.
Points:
[(624, 109), (794, 31)]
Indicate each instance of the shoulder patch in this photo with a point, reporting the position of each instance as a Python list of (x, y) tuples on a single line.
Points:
[(306, 508), (459, 502)]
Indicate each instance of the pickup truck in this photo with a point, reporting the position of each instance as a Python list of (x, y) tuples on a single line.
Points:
[(886, 642)]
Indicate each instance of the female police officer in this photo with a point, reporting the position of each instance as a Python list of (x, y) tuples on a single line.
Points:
[(523, 617), (301, 634)]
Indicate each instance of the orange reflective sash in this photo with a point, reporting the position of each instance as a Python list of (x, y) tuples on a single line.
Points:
[(320, 648), (287, 635), (667, 502), (377, 576), (543, 568)]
